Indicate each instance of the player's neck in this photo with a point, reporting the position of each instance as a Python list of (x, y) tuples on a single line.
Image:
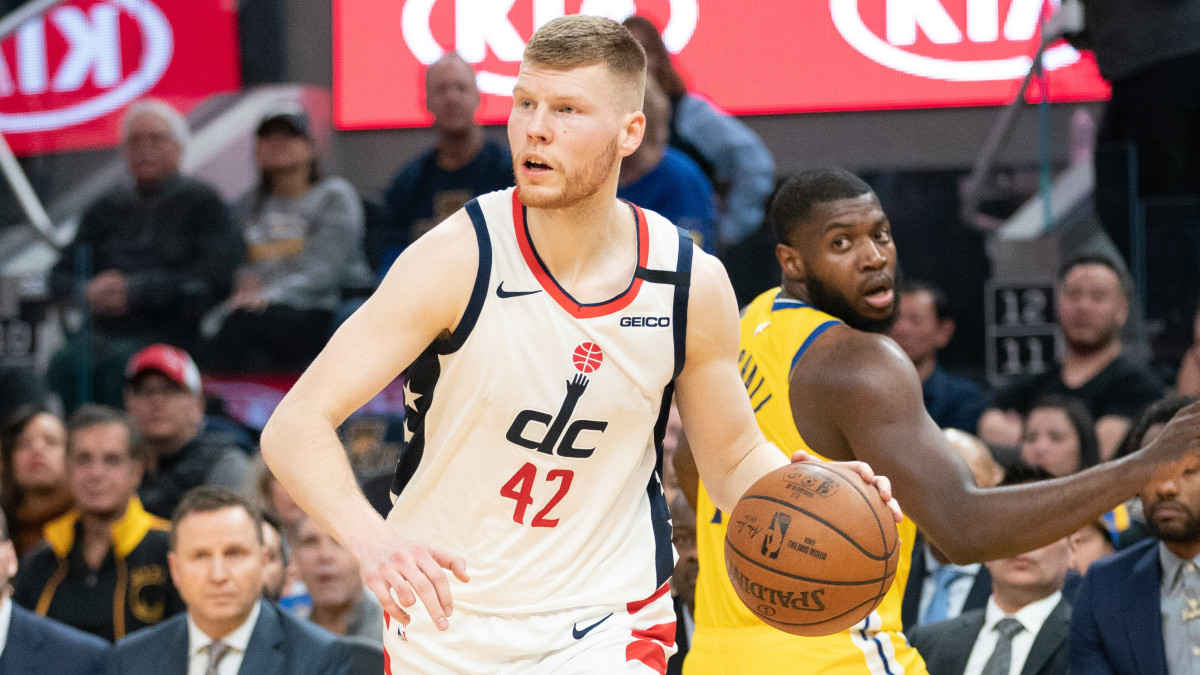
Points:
[(456, 149), (590, 247)]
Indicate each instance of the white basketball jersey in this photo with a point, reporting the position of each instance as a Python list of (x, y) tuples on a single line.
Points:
[(534, 430)]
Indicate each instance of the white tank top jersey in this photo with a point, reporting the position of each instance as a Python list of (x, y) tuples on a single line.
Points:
[(534, 430)]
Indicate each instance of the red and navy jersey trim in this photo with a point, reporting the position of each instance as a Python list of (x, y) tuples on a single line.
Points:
[(553, 289), (480, 290)]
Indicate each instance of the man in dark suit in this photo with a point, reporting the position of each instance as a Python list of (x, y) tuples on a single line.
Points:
[(217, 559), (1137, 611), (34, 644), (1022, 630)]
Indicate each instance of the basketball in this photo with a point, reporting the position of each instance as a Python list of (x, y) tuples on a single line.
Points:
[(811, 549)]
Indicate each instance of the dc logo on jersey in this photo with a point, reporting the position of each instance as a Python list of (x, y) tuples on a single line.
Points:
[(561, 435)]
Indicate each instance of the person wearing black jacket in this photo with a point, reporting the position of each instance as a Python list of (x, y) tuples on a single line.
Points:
[(151, 256)]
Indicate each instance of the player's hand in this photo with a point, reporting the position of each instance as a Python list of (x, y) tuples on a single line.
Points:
[(1178, 445), (400, 572), (881, 483)]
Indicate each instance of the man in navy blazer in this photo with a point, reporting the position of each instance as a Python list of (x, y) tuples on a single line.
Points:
[(217, 559), (35, 644), (1117, 625), (1133, 609)]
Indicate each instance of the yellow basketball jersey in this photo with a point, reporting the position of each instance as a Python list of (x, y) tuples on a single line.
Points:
[(729, 639)]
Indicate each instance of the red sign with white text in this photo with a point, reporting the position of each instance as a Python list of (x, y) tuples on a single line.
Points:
[(67, 75), (762, 57)]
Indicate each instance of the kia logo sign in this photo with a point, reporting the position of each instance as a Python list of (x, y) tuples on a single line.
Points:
[(483, 25), (762, 57), (93, 37), (983, 25)]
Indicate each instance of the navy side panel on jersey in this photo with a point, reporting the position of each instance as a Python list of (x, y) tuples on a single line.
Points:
[(424, 372)]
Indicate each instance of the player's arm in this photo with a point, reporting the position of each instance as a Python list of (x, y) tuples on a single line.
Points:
[(422, 296), (728, 448), (868, 396)]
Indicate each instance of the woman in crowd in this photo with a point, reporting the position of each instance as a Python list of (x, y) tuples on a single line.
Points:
[(33, 477), (304, 244), (1059, 435)]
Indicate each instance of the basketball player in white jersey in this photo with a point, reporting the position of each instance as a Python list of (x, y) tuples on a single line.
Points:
[(546, 329)]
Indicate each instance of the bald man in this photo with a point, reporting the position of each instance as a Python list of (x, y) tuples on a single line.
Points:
[(461, 166)]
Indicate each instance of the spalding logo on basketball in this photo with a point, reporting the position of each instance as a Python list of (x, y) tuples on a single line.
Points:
[(587, 357), (811, 549)]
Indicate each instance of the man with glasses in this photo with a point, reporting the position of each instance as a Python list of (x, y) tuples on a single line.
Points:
[(152, 254), (164, 399), (103, 566)]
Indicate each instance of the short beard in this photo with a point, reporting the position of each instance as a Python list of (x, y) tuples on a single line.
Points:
[(830, 302), (1189, 534), (576, 188)]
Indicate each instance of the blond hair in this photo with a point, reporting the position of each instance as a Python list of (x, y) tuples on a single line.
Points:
[(577, 41)]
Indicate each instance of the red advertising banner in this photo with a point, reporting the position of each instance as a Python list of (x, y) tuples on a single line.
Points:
[(761, 57), (67, 75)]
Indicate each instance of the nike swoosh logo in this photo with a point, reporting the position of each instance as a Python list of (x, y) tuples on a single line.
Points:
[(501, 293), (578, 634)]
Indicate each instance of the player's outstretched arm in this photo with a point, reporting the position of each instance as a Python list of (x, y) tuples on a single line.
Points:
[(422, 297), (729, 450), (859, 395)]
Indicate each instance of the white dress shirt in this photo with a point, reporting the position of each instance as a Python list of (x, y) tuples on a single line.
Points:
[(238, 641), (959, 589), (5, 621), (1031, 617)]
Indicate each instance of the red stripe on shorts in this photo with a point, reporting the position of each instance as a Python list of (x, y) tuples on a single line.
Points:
[(635, 607), (647, 646), (387, 660)]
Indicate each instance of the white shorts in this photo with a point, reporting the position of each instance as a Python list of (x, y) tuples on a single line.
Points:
[(634, 638)]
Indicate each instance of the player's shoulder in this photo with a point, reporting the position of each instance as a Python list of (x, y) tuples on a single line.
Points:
[(849, 358)]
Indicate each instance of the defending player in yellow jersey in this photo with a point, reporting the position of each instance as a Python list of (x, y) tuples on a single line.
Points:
[(775, 332), (822, 376)]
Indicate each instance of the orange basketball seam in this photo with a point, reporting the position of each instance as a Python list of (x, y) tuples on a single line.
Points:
[(824, 522), (868, 500), (859, 582)]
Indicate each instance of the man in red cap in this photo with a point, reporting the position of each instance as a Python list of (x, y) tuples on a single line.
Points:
[(163, 396)]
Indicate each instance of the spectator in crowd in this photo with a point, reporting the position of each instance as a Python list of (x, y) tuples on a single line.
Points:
[(34, 644), (665, 180), (942, 590), (33, 474), (463, 165), (275, 570), (1059, 435), (1023, 629), (304, 239), (340, 602), (154, 255), (924, 325), (1187, 380), (1093, 304), (103, 567), (1136, 611), (164, 398), (217, 559), (732, 155), (1089, 544)]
